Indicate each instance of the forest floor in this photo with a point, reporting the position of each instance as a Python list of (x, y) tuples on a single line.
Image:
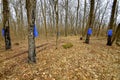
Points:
[(94, 61)]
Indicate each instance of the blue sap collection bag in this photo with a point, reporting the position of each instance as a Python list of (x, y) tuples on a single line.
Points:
[(110, 32), (3, 32), (89, 32), (35, 32)]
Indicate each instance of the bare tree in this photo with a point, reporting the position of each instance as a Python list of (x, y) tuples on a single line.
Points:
[(16, 7), (110, 27), (44, 15), (66, 17), (22, 19), (83, 26), (95, 11), (92, 4), (115, 28), (56, 12), (52, 14), (78, 1), (6, 24), (31, 8)]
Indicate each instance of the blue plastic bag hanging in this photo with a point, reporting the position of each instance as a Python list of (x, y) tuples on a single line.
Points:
[(109, 33), (3, 32), (89, 32), (35, 31)]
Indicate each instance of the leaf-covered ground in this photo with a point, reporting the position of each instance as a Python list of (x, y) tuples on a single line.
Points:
[(94, 61)]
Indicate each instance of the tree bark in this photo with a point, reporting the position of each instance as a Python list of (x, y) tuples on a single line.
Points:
[(6, 24), (31, 8)]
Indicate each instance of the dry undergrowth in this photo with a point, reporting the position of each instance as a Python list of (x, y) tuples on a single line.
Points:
[(95, 61)]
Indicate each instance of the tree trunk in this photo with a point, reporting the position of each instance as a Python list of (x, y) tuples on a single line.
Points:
[(92, 4), (109, 42), (66, 17), (77, 18), (6, 24), (31, 7), (83, 26), (56, 12), (95, 12)]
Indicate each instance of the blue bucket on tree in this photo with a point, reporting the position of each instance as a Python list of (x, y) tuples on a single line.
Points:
[(110, 32), (35, 32), (89, 32), (3, 32)]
